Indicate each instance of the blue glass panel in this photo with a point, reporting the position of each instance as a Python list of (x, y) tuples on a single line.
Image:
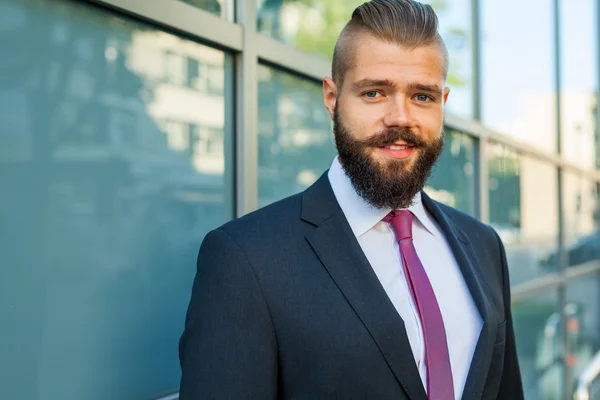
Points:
[(115, 161)]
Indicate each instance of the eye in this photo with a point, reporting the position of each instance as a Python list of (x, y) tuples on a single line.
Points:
[(423, 98), (372, 94)]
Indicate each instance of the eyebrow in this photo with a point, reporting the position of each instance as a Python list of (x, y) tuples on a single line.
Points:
[(415, 86), (433, 89), (365, 83)]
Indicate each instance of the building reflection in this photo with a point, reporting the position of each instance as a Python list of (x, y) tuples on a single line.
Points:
[(112, 146)]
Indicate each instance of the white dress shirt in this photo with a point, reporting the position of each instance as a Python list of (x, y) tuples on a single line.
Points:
[(376, 238)]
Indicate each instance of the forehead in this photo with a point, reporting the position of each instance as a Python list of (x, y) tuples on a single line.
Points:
[(376, 59)]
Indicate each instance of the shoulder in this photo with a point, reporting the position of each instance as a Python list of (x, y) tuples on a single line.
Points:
[(267, 240), (265, 223)]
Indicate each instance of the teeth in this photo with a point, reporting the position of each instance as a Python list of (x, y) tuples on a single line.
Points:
[(397, 147)]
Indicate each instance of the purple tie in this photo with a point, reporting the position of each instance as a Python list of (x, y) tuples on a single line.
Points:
[(437, 359)]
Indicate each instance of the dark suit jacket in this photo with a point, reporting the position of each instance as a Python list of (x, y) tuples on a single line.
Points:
[(286, 306)]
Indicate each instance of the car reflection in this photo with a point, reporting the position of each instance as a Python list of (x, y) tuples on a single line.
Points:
[(584, 250), (546, 382)]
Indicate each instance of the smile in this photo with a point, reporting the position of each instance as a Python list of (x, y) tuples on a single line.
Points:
[(397, 151), (397, 147)]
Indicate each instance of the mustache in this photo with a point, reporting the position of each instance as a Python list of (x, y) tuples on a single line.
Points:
[(392, 135)]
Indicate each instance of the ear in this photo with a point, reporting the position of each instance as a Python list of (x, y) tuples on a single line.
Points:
[(446, 93), (330, 93)]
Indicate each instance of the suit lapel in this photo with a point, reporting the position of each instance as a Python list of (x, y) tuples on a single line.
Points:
[(336, 246), (466, 259)]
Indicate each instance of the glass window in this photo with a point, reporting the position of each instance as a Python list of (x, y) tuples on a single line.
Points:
[(579, 83), (314, 26), (295, 137), (583, 324), (310, 25), (452, 181), (582, 234), (455, 27), (517, 73), (537, 323), (108, 187), (523, 208), (221, 8)]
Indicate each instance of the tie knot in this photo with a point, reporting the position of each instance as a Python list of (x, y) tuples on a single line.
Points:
[(401, 221)]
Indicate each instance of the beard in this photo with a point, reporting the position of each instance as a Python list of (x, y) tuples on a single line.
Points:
[(391, 183)]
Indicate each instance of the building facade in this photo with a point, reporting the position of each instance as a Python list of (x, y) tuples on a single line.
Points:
[(130, 128)]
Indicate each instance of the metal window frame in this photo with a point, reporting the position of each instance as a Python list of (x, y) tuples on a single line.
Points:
[(289, 58), (247, 111), (482, 197), (562, 252), (528, 289), (182, 18), (476, 58)]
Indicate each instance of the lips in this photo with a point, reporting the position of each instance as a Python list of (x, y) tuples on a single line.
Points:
[(397, 150), (398, 147)]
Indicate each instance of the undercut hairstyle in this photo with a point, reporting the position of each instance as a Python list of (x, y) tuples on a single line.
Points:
[(406, 23)]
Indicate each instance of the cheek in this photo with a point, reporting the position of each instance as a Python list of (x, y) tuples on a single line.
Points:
[(432, 124), (361, 121)]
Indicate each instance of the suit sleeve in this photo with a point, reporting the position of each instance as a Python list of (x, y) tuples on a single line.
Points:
[(511, 386), (228, 349)]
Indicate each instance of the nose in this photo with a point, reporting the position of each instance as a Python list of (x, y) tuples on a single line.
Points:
[(398, 113)]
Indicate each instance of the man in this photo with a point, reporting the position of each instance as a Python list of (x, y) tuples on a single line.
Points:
[(361, 287)]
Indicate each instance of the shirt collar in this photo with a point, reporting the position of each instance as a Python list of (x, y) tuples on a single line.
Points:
[(361, 215)]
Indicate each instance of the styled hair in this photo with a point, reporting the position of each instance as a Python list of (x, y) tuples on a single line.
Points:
[(407, 23)]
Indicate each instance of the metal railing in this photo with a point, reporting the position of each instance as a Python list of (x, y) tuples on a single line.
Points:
[(586, 380)]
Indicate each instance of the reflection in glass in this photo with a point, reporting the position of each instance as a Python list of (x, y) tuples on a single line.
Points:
[(524, 211), (452, 181), (583, 324), (112, 168), (221, 8), (455, 27), (314, 26), (295, 137), (579, 83), (310, 25), (537, 322), (582, 231), (517, 74)]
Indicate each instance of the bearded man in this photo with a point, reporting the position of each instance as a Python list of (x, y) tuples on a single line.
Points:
[(360, 287)]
